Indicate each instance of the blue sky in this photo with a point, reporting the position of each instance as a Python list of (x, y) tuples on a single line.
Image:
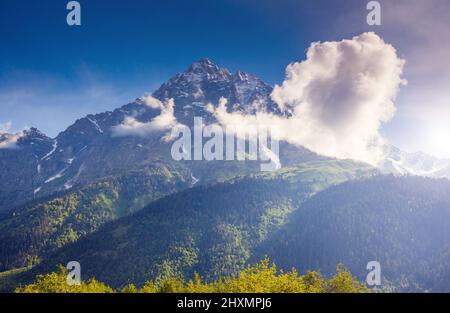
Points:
[(51, 73)]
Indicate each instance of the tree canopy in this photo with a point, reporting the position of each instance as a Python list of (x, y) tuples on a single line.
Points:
[(263, 277)]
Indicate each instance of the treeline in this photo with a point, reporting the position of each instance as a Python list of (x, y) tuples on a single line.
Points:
[(263, 277)]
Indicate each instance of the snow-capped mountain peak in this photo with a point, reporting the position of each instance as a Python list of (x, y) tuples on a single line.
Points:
[(418, 163), (204, 69), (204, 82)]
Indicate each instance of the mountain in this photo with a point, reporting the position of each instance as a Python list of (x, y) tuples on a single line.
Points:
[(34, 165), (55, 191), (127, 211), (419, 163), (209, 229), (401, 222), (88, 150), (20, 156)]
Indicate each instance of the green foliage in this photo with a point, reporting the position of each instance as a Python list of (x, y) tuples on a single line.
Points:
[(401, 222), (263, 277), (30, 233), (212, 230), (130, 288), (57, 283)]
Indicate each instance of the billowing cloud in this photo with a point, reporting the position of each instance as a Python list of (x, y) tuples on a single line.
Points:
[(164, 121), (335, 100), (7, 140)]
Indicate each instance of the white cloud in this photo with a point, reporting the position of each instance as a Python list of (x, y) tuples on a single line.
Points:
[(419, 31), (337, 99), (7, 140), (154, 103), (5, 127), (165, 120)]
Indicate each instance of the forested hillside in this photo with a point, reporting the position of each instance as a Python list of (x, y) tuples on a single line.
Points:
[(211, 230), (312, 217), (401, 222), (28, 234)]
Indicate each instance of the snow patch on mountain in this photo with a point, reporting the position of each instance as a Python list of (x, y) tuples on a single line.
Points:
[(54, 147), (56, 176), (94, 121)]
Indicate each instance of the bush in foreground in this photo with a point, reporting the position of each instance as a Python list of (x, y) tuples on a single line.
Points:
[(263, 277)]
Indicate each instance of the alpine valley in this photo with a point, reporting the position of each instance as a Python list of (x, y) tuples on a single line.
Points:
[(121, 206)]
